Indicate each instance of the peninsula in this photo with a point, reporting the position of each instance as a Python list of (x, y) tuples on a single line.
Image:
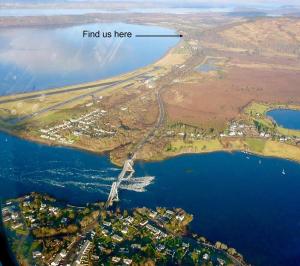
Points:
[(209, 93)]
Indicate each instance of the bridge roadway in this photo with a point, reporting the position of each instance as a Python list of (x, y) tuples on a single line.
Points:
[(128, 165), (125, 174)]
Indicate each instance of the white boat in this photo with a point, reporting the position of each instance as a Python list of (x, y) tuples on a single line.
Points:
[(283, 172)]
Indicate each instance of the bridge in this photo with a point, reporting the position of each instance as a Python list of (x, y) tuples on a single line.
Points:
[(125, 174), (128, 170)]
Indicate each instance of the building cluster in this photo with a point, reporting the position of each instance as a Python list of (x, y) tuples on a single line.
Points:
[(88, 124), (109, 238), (11, 215), (143, 224), (237, 129)]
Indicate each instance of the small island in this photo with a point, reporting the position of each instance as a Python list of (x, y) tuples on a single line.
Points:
[(45, 231)]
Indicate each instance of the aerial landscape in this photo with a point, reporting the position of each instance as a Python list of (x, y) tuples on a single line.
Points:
[(150, 133)]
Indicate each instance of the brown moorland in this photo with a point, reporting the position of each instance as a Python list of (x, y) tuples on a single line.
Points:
[(257, 70)]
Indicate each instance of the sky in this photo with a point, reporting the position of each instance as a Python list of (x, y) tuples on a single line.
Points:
[(178, 2), (235, 2)]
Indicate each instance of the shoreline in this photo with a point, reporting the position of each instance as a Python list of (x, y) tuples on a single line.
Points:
[(154, 64), (161, 155), (158, 159), (158, 63), (93, 215)]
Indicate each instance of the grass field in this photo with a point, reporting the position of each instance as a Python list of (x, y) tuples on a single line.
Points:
[(258, 112), (253, 145), (256, 145), (196, 146)]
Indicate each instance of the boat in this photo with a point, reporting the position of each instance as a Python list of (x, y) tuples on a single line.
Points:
[(283, 172)]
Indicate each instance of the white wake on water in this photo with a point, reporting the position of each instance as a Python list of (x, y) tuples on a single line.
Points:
[(137, 184)]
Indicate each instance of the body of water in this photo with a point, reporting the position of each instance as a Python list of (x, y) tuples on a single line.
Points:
[(286, 118), (41, 58), (209, 65), (244, 201), (207, 68)]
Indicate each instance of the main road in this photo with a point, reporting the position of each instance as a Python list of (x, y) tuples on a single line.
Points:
[(128, 164), (159, 122)]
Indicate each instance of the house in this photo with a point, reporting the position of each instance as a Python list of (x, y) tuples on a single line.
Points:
[(221, 262), (56, 260), (205, 256), (63, 253), (127, 261), (180, 217), (136, 246), (36, 254), (153, 214), (105, 232), (117, 238), (185, 245), (143, 223), (124, 230), (14, 216), (89, 104), (170, 212), (163, 235), (115, 259), (153, 229), (107, 223), (160, 247)]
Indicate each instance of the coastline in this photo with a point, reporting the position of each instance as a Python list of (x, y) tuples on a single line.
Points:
[(160, 62), (162, 154), (159, 158)]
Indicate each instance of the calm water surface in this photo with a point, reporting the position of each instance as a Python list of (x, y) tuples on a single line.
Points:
[(40, 58), (246, 203), (286, 118)]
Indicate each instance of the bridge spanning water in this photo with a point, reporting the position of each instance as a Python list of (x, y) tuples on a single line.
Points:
[(128, 171), (125, 174)]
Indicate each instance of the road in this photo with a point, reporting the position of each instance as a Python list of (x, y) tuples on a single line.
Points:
[(128, 164), (158, 124), (60, 104)]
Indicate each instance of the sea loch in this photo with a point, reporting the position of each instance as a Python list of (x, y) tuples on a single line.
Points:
[(244, 201), (41, 58)]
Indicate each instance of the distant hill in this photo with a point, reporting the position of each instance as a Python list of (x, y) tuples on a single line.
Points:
[(248, 14)]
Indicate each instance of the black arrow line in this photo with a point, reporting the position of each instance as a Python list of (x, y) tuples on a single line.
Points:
[(160, 35)]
